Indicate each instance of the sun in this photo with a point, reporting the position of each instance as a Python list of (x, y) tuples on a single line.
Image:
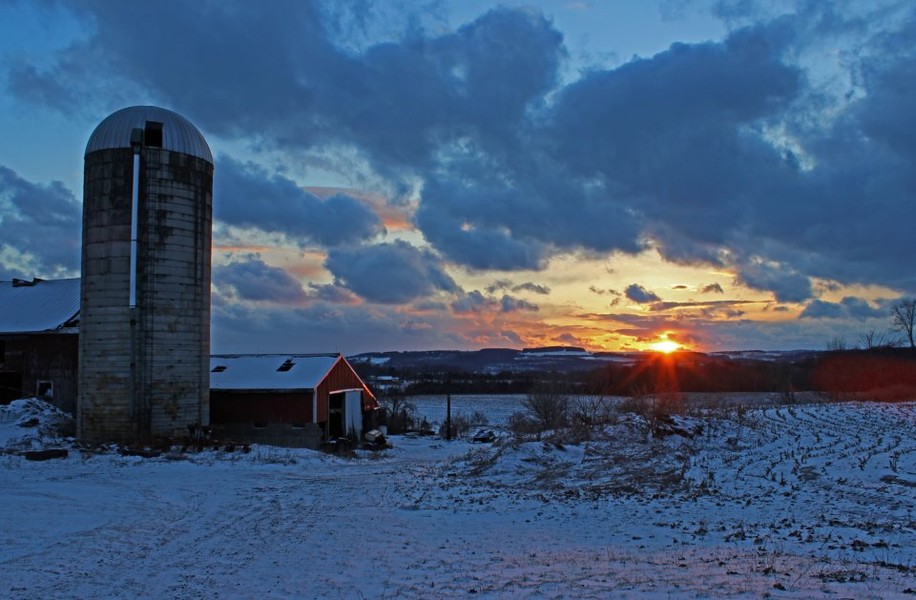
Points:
[(665, 346)]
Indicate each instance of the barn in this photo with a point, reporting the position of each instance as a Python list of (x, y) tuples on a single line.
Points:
[(296, 400), (39, 341)]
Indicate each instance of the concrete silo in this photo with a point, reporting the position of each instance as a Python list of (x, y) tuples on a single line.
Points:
[(145, 297)]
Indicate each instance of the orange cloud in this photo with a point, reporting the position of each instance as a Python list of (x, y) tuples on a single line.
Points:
[(394, 217)]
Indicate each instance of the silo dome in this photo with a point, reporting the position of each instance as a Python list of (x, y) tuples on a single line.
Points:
[(176, 133)]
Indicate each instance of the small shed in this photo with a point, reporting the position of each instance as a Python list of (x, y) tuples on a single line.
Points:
[(294, 400), (39, 340)]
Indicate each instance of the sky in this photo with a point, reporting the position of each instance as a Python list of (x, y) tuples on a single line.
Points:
[(422, 174)]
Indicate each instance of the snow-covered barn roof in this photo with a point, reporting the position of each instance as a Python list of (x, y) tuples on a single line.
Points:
[(270, 371), (37, 305)]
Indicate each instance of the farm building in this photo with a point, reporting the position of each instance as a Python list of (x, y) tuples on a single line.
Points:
[(145, 307), (288, 399), (38, 340)]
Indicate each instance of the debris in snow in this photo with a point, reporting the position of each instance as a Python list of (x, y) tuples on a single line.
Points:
[(50, 453), (783, 501), (666, 425), (484, 436), (375, 440), (33, 424)]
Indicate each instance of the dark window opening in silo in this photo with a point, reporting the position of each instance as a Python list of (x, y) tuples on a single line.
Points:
[(152, 135)]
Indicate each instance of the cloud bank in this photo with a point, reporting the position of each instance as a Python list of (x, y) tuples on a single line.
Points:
[(781, 153)]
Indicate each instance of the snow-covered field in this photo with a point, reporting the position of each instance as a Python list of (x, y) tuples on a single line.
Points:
[(814, 500)]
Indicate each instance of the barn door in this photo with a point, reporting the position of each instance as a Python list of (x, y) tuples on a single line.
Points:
[(336, 415), (353, 414)]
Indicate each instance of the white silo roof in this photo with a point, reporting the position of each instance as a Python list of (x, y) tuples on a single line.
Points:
[(178, 134)]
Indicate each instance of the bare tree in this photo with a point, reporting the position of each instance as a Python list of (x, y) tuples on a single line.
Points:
[(548, 406), (903, 317), (877, 339), (400, 411), (837, 344)]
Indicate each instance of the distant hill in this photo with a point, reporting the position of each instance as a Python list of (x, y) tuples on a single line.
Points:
[(875, 374), (558, 359)]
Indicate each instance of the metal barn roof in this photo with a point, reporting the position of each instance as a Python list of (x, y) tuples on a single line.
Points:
[(178, 134), (270, 371), (37, 305)]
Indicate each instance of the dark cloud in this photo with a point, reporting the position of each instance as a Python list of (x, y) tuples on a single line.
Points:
[(512, 337), (509, 304), (333, 294), (847, 308), (737, 153), (389, 273), (568, 339), (506, 284), (596, 290), (250, 278), (39, 228), (248, 196), (786, 284), (640, 295), (820, 309), (712, 288), (499, 284), (430, 305), (476, 302), (534, 288), (473, 302), (324, 327), (732, 334), (660, 306)]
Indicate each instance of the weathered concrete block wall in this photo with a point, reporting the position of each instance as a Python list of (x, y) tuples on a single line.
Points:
[(106, 407), (174, 283), (144, 372), (274, 434)]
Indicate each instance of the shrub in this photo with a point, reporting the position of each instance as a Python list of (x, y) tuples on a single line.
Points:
[(590, 411), (400, 413), (462, 424), (548, 407), (521, 424)]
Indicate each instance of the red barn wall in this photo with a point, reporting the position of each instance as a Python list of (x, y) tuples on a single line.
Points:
[(260, 407), (342, 377)]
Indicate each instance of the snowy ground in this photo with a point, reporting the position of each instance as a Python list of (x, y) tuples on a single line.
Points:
[(815, 500)]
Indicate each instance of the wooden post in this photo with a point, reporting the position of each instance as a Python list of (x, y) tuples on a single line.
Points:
[(448, 406)]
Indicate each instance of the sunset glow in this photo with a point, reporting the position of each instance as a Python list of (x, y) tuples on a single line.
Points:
[(492, 199), (666, 346)]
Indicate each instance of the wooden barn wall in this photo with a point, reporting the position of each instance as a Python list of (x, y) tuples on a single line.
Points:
[(49, 357), (341, 377), (260, 407)]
